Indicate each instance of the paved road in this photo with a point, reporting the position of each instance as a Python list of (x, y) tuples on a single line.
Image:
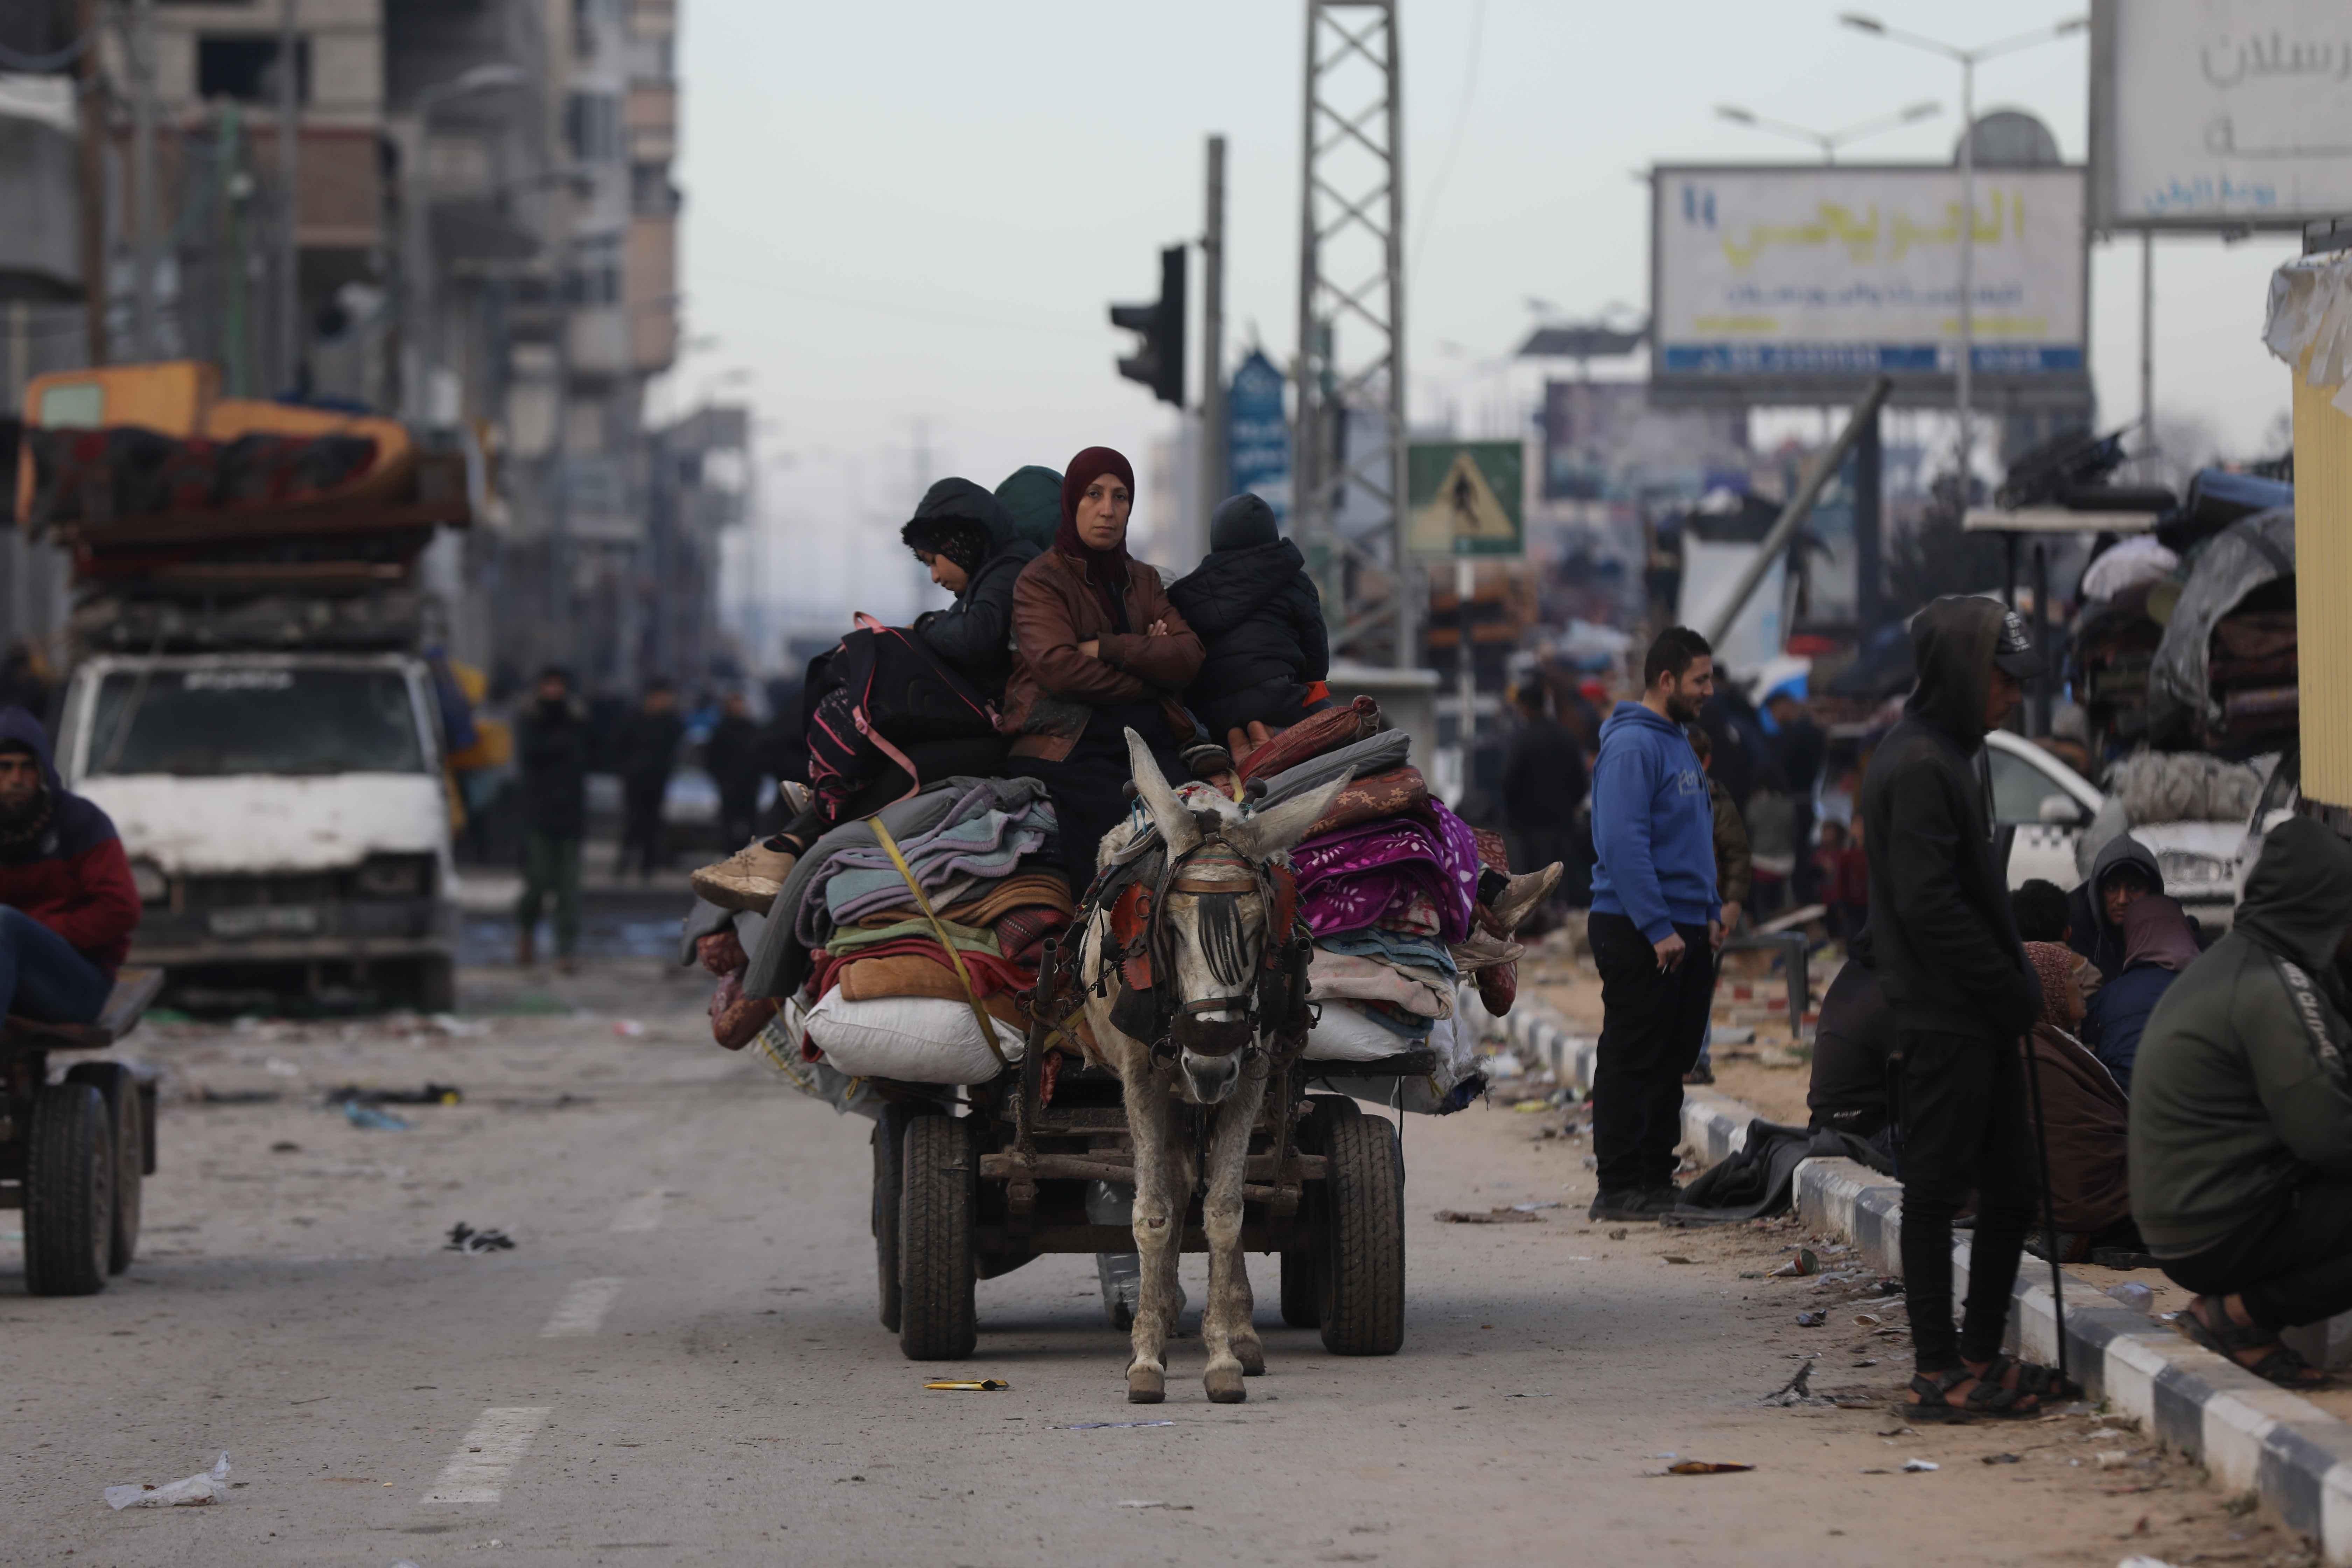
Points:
[(680, 1361)]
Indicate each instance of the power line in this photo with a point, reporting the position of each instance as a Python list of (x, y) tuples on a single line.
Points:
[(1461, 122)]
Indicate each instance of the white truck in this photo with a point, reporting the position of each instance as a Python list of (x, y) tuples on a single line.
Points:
[(285, 817)]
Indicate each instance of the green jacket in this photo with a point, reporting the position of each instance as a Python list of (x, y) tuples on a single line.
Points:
[(2240, 1091), (1733, 869)]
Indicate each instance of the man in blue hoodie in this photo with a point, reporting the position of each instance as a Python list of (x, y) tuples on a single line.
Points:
[(1655, 928)]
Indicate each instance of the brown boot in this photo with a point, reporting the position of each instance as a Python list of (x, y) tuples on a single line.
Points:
[(748, 879), (526, 948), (1524, 893)]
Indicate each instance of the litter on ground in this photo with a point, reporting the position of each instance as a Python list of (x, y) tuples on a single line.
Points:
[(187, 1492)]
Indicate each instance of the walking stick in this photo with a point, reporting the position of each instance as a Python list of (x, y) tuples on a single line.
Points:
[(2049, 1203)]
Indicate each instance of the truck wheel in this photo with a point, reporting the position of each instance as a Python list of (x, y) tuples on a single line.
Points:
[(433, 987), (126, 1117), (1360, 1289), (889, 1142), (68, 1192), (939, 1173)]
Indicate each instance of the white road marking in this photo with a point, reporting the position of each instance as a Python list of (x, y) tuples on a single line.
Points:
[(582, 1308), (640, 1213), (487, 1454)]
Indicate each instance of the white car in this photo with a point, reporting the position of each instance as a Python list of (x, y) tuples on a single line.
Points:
[(2050, 805)]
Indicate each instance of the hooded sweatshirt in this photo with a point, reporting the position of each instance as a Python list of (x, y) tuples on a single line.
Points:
[(1033, 494), (2239, 1093), (1652, 826), (1940, 917), (73, 877), (2088, 930), (1259, 619), (2157, 946), (974, 634)]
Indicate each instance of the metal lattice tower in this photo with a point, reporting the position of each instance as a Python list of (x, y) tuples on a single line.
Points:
[(1348, 461)]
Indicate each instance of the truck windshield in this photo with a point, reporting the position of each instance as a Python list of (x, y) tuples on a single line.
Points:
[(220, 721)]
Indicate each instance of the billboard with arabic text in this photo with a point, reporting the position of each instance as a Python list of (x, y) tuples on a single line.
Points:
[(1803, 283), (2221, 114)]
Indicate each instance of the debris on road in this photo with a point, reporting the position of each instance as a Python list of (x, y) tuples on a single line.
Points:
[(2004, 1458), (2133, 1294), (1106, 1426), (1920, 1467), (203, 1095), (187, 1492), (627, 1028), (1676, 1257), (1706, 1467), (430, 1094), (1154, 1502), (970, 1385), (369, 1118), (1806, 1262), (1812, 1320), (463, 1237), (1796, 1390), (1511, 1214)]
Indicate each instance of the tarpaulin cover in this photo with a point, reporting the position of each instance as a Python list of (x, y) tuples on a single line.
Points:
[(2240, 559)]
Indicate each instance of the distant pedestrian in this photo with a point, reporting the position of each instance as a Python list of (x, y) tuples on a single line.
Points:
[(1734, 876), (1963, 994), (1801, 747), (644, 753), (1655, 928), (731, 757), (1543, 787), (551, 753)]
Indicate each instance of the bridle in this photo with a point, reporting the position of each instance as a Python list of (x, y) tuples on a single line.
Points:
[(1274, 1005)]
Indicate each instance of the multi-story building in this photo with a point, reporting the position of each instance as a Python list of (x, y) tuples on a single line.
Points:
[(479, 233)]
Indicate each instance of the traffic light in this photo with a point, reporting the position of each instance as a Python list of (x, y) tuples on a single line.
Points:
[(1159, 358)]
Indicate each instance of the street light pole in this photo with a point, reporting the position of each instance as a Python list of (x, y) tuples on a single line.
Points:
[(1828, 141), (1965, 370)]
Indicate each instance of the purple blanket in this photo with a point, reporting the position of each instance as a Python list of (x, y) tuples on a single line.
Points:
[(1349, 879)]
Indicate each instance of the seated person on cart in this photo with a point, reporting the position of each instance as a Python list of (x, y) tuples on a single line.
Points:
[(68, 905)]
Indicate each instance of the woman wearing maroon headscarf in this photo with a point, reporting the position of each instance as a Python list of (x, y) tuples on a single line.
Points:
[(1097, 649)]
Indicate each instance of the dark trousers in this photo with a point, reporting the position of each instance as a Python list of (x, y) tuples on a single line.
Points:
[(41, 975), (641, 827), (1963, 1115), (550, 873), (738, 809), (2293, 1263), (1652, 1023)]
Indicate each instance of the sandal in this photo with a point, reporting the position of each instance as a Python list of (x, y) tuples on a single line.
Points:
[(2032, 1377), (1986, 1398), (2282, 1366)]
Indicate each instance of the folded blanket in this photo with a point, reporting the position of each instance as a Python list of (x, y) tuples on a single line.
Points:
[(967, 938), (989, 974), (986, 903), (1312, 737), (1400, 792), (1417, 951), (1023, 931), (1426, 992), (916, 974), (1374, 754), (781, 960), (985, 847)]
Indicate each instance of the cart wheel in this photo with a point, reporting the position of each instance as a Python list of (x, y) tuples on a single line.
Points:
[(69, 1192), (1302, 1285), (126, 1119), (936, 1210), (889, 1138), (1361, 1284)]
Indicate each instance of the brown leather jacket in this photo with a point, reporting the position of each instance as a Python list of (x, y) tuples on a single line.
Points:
[(1055, 688)]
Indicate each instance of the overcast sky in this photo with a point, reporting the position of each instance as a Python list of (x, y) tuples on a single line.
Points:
[(905, 221)]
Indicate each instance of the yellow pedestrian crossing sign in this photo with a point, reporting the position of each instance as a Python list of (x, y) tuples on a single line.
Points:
[(1463, 498)]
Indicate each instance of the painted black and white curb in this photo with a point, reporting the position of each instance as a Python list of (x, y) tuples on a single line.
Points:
[(2251, 1436)]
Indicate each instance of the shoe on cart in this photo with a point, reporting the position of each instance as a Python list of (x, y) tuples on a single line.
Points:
[(1522, 894), (748, 879)]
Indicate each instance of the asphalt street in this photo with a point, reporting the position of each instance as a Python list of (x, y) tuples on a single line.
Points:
[(679, 1361)]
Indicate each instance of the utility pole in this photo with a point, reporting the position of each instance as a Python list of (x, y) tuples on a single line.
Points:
[(1351, 265), (1966, 367), (2147, 339), (90, 157), (142, 176), (290, 252), (1216, 470)]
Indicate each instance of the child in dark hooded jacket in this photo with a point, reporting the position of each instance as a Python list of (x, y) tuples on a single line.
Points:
[(975, 551), (1261, 621)]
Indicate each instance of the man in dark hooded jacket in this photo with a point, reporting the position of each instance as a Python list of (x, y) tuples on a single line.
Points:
[(1260, 623), (1963, 994), (969, 542), (2242, 1112), (68, 903), (2124, 871)]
